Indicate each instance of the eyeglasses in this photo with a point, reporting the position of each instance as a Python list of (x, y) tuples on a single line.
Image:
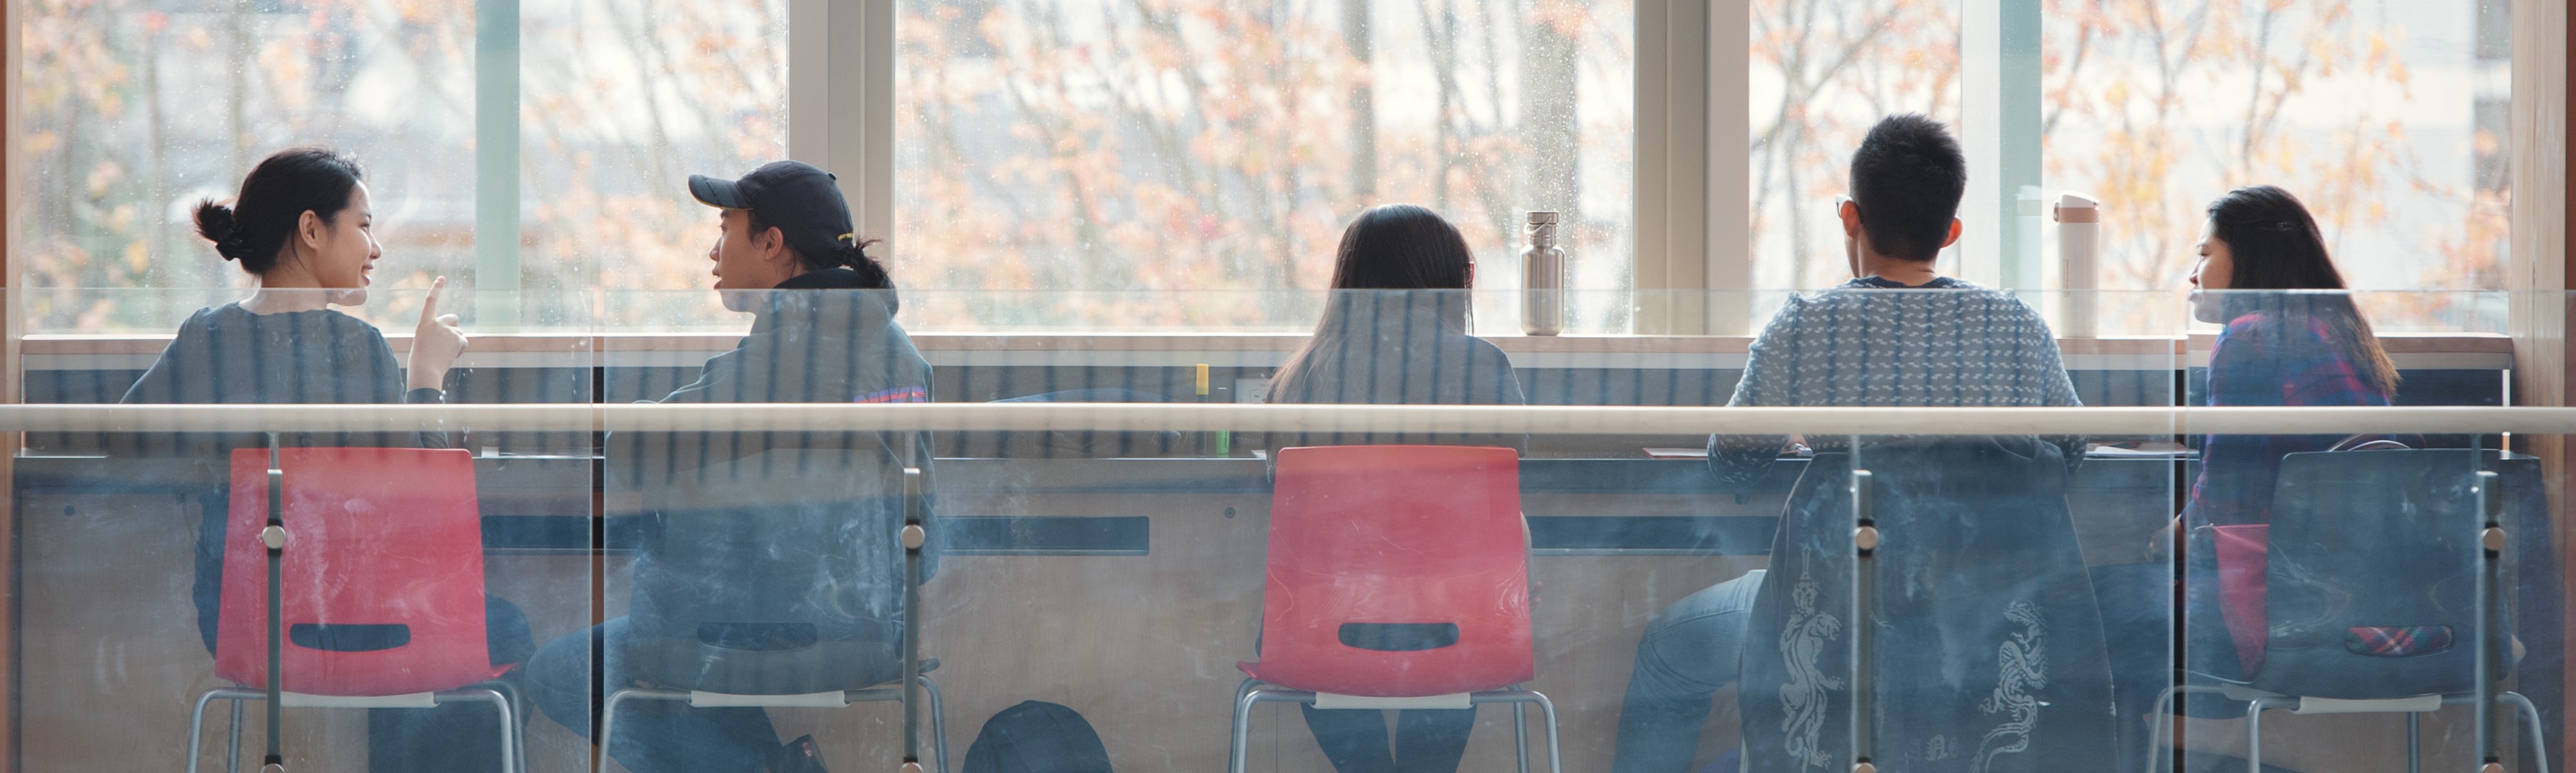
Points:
[(1839, 201)]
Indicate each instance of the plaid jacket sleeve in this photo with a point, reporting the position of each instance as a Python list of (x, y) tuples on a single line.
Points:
[(2261, 360)]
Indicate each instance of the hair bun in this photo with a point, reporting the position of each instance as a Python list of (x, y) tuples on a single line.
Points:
[(217, 224)]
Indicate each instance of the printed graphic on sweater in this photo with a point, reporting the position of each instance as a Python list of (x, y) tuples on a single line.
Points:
[(910, 394)]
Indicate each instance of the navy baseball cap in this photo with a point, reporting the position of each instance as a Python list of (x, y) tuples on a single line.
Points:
[(801, 201)]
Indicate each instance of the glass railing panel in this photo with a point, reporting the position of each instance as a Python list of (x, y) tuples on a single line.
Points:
[(2360, 578), (1102, 541), (2341, 559), (419, 555)]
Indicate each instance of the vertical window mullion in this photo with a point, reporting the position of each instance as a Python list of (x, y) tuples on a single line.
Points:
[(496, 164)]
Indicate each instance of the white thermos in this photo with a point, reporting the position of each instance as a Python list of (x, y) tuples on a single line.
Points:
[(1542, 278), (2079, 259)]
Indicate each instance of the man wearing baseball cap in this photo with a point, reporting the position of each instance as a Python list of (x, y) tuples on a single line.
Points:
[(768, 562)]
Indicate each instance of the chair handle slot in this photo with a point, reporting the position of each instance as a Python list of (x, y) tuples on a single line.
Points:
[(1399, 637), (349, 637)]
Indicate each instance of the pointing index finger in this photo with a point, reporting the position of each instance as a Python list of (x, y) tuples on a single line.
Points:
[(429, 306)]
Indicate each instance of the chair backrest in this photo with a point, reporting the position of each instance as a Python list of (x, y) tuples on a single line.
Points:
[(775, 574), (1988, 645), (382, 577), (1397, 571), (2371, 574)]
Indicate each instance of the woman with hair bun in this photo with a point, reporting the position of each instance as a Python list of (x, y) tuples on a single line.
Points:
[(303, 226)]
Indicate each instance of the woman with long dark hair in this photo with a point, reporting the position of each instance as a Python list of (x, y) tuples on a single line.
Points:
[(2292, 338), (1395, 328), (1395, 331), (303, 227)]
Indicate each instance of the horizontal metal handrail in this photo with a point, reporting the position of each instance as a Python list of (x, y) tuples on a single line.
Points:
[(1532, 420)]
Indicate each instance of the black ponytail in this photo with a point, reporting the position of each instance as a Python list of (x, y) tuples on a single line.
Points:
[(852, 253), (273, 199)]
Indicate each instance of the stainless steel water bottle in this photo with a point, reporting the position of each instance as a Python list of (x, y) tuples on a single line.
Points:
[(1542, 278)]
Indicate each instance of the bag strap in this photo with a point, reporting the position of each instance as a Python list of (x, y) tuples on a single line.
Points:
[(2368, 443)]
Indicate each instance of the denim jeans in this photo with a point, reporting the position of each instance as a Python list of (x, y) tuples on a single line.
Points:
[(1426, 740), (652, 736), (1355, 741), (1690, 650)]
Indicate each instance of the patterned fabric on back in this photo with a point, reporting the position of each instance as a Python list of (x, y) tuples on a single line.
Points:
[(1989, 654), (2267, 359), (1872, 342)]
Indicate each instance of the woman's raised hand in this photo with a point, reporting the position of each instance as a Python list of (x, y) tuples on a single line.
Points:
[(435, 344)]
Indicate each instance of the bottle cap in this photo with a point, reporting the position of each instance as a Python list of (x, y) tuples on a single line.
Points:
[(1542, 217)]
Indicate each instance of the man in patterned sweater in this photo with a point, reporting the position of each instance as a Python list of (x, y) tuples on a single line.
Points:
[(1881, 339)]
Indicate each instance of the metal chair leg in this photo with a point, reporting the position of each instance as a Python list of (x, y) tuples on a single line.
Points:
[(1520, 735), (2414, 742), (518, 707), (197, 727), (232, 759), (2254, 734), (2531, 716), (938, 725), (2160, 724), (607, 726), (1241, 734), (1547, 709), (1240, 692), (1555, 750), (509, 720), (1243, 718)]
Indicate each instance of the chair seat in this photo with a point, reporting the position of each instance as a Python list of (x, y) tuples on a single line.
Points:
[(1455, 700), (829, 699), (1252, 668), (2312, 705)]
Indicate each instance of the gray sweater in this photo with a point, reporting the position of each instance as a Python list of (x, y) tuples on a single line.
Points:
[(1873, 342), (226, 354)]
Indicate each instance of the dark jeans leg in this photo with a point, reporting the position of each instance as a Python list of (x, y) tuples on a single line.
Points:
[(1689, 651), (1432, 740), (454, 737), (652, 736), (2137, 622), (1354, 739)]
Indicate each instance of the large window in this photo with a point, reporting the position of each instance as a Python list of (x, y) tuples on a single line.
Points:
[(623, 100), (1821, 74), (134, 110), (1223, 144), (2386, 118)]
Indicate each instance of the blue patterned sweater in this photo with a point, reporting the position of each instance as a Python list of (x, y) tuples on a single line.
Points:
[(1875, 342)]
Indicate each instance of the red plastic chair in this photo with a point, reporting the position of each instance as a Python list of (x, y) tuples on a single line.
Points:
[(1398, 578), (382, 586)]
